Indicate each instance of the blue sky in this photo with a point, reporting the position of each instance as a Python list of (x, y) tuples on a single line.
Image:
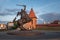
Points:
[(9, 8)]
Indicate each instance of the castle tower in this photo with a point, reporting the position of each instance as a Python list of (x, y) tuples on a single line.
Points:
[(33, 17), (32, 24)]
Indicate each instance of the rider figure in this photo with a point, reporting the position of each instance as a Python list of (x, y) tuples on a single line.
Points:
[(24, 18)]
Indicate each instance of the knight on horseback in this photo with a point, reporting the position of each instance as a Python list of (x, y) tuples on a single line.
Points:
[(24, 18)]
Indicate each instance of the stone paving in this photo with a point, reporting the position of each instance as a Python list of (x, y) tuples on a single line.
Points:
[(44, 35)]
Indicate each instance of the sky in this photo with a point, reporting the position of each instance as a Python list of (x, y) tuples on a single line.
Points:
[(9, 8)]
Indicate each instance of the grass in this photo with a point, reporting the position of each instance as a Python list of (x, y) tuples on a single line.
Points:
[(49, 28)]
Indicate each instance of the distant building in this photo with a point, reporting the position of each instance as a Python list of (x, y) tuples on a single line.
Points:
[(56, 22), (31, 24), (3, 26), (10, 24), (44, 22)]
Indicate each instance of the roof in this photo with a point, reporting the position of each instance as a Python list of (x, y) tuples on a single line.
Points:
[(32, 14)]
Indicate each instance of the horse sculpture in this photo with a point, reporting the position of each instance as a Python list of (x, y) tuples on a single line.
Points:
[(24, 18)]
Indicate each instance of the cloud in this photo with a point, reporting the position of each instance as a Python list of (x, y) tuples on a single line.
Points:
[(3, 22), (4, 14), (7, 18), (41, 19), (50, 17), (8, 12), (47, 9), (12, 10)]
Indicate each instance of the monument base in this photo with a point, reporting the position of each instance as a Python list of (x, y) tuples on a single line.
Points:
[(24, 33)]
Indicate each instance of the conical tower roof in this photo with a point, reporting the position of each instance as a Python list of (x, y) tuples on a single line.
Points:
[(32, 14)]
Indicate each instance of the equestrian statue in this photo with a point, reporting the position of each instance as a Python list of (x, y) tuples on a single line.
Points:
[(23, 19)]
